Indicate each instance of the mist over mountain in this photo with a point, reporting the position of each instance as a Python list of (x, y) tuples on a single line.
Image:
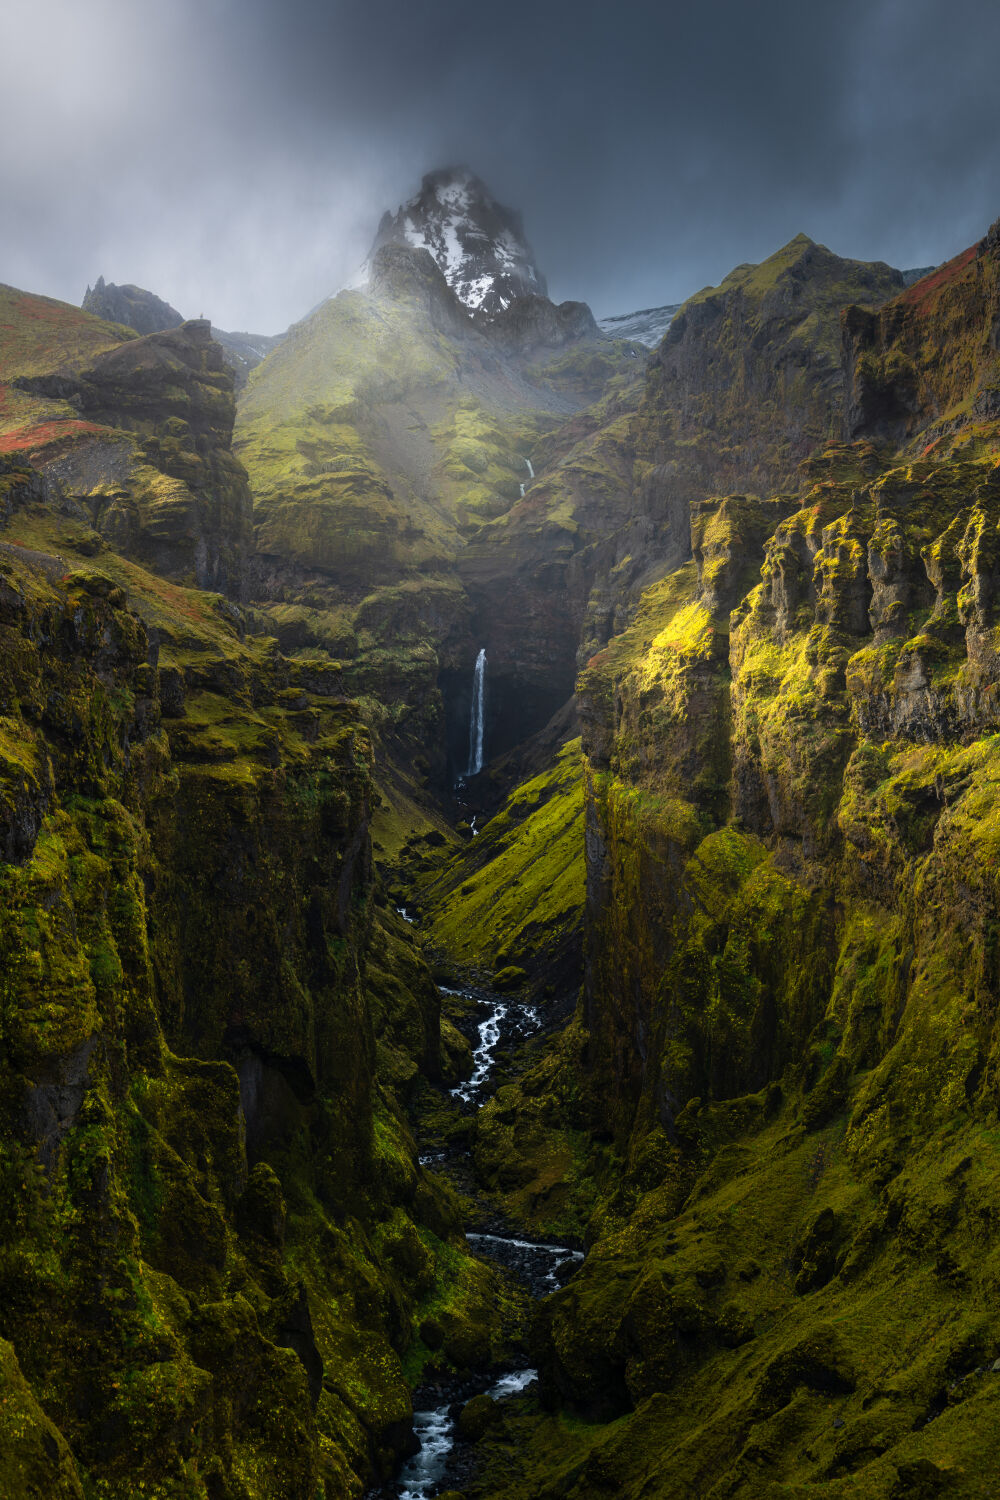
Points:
[(254, 148), (478, 245)]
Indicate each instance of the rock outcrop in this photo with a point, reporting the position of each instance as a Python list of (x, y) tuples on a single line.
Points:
[(151, 462), (130, 305), (134, 307)]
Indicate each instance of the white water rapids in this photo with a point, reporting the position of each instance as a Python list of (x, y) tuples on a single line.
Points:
[(421, 1475), (521, 1018), (528, 1257), (542, 1267)]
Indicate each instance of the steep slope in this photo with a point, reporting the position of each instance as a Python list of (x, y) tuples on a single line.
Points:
[(513, 898), (927, 366), (789, 1016), (380, 433), (746, 382), (216, 1245)]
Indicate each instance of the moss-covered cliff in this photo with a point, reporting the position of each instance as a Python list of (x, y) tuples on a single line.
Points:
[(773, 1117), (135, 432), (747, 381), (216, 1246), (386, 427), (788, 1025)]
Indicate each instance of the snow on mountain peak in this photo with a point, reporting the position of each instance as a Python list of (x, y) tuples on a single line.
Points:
[(478, 244)]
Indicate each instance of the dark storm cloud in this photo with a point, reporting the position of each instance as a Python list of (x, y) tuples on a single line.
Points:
[(235, 157)]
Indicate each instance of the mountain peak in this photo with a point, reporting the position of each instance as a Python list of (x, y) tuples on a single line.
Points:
[(478, 244), (131, 305)]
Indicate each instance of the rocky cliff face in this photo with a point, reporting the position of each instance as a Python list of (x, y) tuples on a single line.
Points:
[(478, 245), (927, 365), (746, 382), (789, 1017), (139, 440), (379, 435), (130, 305), (216, 1246)]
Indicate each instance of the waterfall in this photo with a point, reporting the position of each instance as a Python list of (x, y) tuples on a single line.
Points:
[(531, 471), (477, 718), (522, 492)]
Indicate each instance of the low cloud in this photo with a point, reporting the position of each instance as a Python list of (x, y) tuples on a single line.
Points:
[(235, 158)]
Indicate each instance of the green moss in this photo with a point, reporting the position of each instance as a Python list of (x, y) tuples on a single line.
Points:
[(516, 891)]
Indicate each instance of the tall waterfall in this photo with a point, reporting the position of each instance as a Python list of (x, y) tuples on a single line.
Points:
[(530, 469), (477, 718)]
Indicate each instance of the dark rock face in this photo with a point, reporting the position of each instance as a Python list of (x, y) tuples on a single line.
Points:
[(531, 322), (398, 272), (749, 373), (131, 305), (914, 366), (186, 511), (745, 384), (146, 313), (478, 244)]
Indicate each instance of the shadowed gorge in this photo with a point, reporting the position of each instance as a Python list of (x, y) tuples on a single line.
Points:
[(499, 836)]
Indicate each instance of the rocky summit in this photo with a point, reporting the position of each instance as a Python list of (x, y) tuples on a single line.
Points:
[(499, 897), (478, 244)]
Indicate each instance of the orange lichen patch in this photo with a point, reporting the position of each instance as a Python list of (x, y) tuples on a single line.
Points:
[(921, 293), (35, 436), (183, 602)]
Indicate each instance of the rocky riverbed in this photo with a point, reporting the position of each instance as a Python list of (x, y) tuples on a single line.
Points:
[(449, 1412)]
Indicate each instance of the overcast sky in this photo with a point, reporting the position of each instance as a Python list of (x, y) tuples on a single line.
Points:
[(235, 155)]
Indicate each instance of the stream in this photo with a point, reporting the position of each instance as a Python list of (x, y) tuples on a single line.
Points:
[(502, 1021)]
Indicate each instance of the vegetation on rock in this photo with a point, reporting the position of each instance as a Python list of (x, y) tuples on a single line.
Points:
[(772, 856), (791, 988)]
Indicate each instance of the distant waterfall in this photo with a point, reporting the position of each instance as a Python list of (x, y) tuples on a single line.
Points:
[(531, 471), (477, 718)]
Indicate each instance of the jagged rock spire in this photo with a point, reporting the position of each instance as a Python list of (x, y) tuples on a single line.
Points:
[(478, 243)]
